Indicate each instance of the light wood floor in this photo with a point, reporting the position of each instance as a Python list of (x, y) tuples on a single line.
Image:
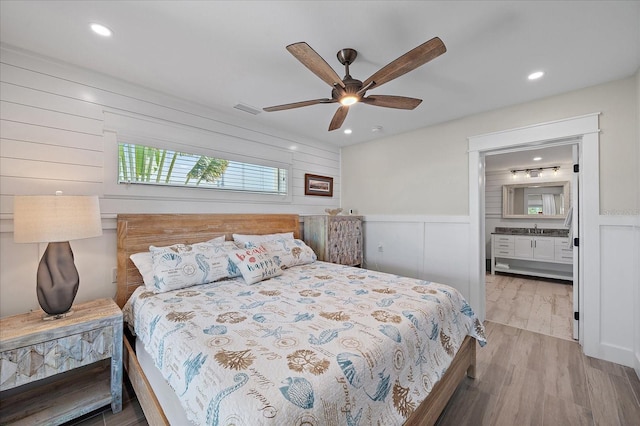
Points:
[(543, 306), (527, 378), (131, 414)]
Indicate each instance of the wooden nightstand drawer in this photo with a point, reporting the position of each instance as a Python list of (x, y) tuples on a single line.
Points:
[(35, 362)]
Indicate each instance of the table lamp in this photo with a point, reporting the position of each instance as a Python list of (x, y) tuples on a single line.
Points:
[(56, 219)]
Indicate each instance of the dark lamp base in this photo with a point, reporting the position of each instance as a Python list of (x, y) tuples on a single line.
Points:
[(58, 279), (47, 317)]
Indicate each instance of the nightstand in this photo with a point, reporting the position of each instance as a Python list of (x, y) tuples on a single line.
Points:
[(54, 371)]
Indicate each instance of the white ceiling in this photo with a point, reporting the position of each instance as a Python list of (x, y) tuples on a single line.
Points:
[(220, 53), (524, 159)]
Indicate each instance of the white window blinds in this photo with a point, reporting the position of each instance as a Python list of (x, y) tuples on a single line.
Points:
[(148, 165)]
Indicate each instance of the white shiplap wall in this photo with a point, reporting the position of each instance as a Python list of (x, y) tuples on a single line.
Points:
[(54, 136)]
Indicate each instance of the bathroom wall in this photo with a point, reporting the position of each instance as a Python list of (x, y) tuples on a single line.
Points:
[(493, 200)]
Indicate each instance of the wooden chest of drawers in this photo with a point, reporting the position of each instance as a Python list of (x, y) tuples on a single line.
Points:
[(335, 239)]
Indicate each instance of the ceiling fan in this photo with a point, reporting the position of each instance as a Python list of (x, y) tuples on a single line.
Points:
[(348, 91)]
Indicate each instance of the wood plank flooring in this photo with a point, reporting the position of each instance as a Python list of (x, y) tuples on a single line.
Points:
[(131, 414), (527, 378), (540, 305)]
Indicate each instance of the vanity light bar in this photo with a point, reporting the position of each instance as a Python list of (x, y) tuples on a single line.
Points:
[(537, 170)]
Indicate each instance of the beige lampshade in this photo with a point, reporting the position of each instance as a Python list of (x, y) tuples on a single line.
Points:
[(55, 218)]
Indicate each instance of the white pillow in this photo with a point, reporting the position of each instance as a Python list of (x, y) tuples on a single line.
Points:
[(144, 263), (256, 263), (254, 240), (291, 252)]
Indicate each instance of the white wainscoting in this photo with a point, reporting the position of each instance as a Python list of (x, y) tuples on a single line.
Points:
[(432, 248), (636, 295), (619, 279), (437, 249)]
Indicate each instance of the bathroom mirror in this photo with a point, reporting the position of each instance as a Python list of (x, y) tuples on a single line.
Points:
[(544, 200)]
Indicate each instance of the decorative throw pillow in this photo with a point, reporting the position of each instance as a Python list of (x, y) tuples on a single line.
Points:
[(256, 263), (144, 263), (182, 265), (291, 252), (254, 240), (232, 269)]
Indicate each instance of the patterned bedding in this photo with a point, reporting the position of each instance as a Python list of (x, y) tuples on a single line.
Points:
[(322, 344)]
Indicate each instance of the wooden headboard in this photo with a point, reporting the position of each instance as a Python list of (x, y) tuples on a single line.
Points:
[(136, 232)]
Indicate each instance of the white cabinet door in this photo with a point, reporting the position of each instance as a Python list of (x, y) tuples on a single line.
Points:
[(544, 248), (523, 247)]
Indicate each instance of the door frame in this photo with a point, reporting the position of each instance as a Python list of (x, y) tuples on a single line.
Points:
[(584, 131)]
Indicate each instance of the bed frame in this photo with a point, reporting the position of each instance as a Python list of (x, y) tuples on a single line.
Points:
[(136, 232)]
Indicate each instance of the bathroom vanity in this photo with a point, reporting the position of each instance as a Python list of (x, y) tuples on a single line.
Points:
[(532, 251)]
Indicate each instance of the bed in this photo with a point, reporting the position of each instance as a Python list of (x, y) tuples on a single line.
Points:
[(319, 344)]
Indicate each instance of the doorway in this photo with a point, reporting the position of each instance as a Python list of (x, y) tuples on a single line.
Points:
[(584, 130), (533, 287)]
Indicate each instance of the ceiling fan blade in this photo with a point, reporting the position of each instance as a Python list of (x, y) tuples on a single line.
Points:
[(400, 102), (408, 62), (310, 59), (338, 118), (299, 104)]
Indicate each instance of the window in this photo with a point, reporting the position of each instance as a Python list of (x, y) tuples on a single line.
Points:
[(140, 164), (534, 204)]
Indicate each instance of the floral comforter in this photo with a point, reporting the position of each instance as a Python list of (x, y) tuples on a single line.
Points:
[(322, 344)]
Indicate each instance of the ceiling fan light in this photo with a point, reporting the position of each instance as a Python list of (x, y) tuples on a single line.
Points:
[(348, 100)]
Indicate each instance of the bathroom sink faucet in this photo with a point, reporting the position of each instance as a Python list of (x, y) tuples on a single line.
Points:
[(535, 228)]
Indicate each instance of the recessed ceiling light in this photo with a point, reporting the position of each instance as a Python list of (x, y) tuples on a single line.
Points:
[(535, 75), (101, 30), (347, 131), (537, 158)]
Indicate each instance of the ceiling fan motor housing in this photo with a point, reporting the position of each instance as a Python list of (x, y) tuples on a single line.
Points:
[(351, 87)]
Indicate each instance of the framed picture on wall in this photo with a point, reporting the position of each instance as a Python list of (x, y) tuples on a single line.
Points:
[(318, 185)]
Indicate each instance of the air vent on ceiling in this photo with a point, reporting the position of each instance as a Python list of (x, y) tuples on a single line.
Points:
[(247, 108)]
